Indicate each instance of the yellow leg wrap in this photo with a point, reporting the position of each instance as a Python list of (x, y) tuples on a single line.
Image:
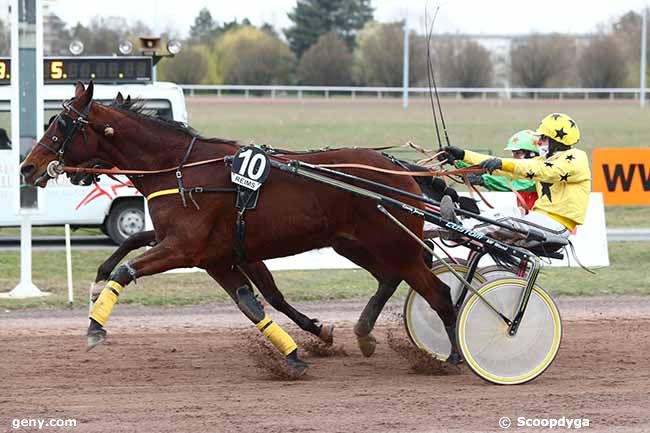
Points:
[(103, 306), (277, 336)]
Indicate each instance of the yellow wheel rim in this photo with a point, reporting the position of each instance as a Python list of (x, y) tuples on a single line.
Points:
[(546, 348)]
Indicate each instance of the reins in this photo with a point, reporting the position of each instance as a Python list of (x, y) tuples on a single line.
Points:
[(107, 171)]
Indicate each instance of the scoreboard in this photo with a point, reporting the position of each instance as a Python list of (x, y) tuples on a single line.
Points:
[(5, 70), (104, 70)]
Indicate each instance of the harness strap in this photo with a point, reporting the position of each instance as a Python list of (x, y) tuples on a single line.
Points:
[(195, 190), (162, 192), (179, 173)]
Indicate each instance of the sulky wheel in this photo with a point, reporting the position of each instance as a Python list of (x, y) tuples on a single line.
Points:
[(483, 336), (423, 326), (495, 272)]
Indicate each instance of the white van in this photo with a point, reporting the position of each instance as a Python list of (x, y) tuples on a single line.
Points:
[(109, 205)]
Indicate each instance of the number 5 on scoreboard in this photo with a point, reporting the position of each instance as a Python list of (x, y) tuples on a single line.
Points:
[(56, 70)]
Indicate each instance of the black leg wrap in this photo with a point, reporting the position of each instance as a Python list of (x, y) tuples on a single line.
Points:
[(124, 274), (249, 305), (454, 356)]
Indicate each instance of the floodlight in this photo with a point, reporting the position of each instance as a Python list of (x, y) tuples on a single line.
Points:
[(174, 46), (125, 47), (76, 47)]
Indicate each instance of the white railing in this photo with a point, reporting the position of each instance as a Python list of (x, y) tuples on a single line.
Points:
[(379, 92)]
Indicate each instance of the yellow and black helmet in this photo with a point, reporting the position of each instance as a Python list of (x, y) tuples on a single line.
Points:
[(560, 128)]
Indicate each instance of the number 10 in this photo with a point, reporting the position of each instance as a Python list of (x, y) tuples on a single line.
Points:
[(257, 164)]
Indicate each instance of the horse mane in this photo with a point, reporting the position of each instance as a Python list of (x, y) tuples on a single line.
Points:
[(136, 108)]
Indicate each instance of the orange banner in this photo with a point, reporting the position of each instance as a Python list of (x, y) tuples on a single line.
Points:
[(622, 175)]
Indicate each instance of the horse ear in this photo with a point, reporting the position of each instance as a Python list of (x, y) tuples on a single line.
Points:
[(79, 89), (85, 97), (128, 99), (119, 98)]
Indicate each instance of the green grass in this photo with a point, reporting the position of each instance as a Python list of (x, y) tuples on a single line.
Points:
[(50, 231), (478, 124), (626, 275), (475, 124)]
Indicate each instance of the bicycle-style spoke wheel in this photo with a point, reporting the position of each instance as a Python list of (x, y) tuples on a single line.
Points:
[(483, 336), (423, 325)]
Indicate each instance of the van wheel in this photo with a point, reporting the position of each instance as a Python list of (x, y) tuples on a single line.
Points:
[(125, 219)]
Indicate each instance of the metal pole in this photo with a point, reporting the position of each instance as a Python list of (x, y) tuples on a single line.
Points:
[(68, 264), (27, 73), (644, 32), (405, 66)]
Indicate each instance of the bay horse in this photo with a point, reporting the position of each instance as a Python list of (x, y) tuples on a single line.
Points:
[(259, 275), (293, 214)]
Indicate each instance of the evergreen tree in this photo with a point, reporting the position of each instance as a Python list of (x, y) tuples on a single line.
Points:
[(313, 18), (204, 26)]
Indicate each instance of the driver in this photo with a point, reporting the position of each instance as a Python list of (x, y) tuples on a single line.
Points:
[(561, 174), (523, 145)]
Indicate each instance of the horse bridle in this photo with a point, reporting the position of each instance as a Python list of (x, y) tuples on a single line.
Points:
[(71, 127)]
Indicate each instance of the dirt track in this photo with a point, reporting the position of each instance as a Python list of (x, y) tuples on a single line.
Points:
[(190, 370)]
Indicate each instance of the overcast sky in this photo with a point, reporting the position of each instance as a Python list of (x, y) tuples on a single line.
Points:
[(467, 16)]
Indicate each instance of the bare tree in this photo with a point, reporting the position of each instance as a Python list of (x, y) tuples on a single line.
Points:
[(602, 63), (328, 62), (538, 60), (379, 54), (463, 63)]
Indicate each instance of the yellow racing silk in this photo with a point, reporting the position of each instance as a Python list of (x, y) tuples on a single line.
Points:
[(563, 182)]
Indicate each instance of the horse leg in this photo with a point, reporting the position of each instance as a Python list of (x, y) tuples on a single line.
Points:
[(133, 242), (166, 255), (387, 284), (257, 272), (437, 295), (262, 278), (237, 286)]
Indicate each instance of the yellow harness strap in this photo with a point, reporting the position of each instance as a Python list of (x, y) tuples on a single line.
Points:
[(277, 336), (162, 192), (103, 306)]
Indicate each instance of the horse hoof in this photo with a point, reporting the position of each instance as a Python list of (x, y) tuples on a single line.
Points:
[(327, 334), (455, 358), (95, 338), (297, 367), (367, 344)]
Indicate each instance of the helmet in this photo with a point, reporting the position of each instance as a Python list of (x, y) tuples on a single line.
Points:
[(560, 128), (524, 140)]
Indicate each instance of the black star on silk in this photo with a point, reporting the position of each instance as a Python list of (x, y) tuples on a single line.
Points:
[(548, 164), (559, 133), (556, 116), (546, 190), (530, 175), (570, 157), (573, 124), (564, 177)]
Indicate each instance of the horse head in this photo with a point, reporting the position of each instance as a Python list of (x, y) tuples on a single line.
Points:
[(74, 137)]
